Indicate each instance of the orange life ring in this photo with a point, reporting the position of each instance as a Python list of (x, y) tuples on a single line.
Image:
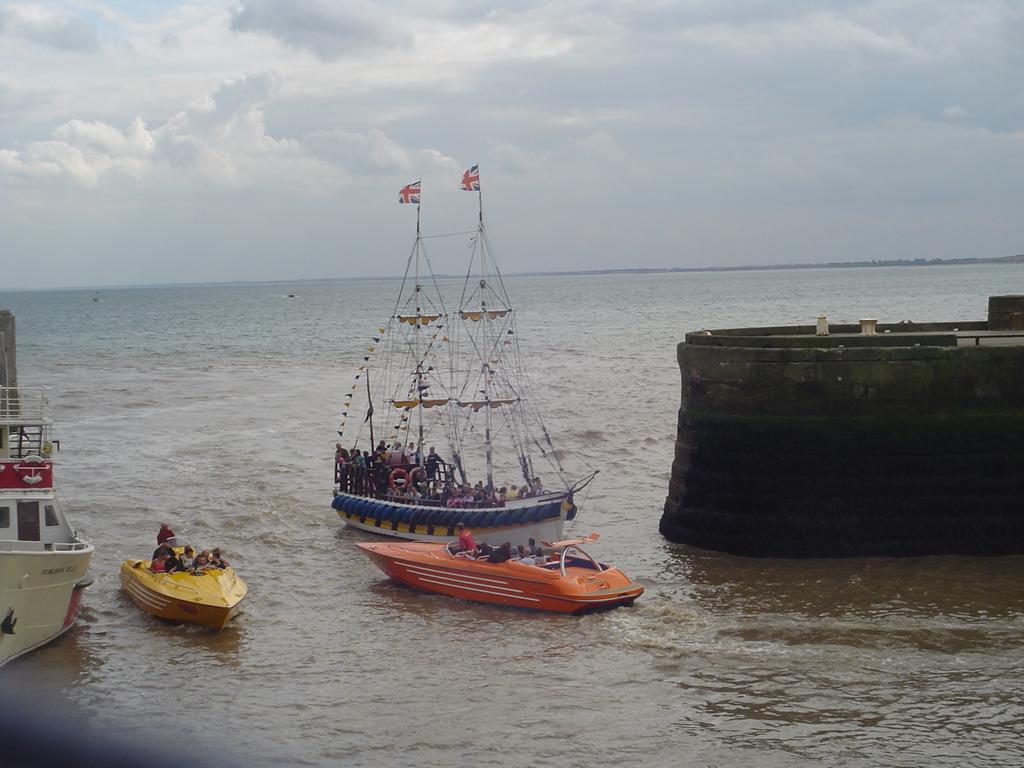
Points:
[(418, 474), (397, 473)]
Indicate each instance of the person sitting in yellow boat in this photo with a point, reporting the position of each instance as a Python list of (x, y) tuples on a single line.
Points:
[(216, 560), (187, 559), (202, 563), (172, 564), (159, 563)]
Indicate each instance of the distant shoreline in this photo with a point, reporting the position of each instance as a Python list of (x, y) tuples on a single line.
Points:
[(1017, 259)]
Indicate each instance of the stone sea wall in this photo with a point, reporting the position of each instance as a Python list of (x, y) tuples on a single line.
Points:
[(906, 443)]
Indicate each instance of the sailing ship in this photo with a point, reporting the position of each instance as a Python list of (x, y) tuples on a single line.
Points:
[(438, 373)]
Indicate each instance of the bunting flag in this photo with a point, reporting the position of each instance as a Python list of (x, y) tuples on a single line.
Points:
[(471, 179), (410, 193)]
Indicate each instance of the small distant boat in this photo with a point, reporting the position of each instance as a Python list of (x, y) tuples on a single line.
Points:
[(573, 583), (210, 599)]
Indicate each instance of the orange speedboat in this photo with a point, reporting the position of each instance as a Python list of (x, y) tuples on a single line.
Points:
[(570, 581)]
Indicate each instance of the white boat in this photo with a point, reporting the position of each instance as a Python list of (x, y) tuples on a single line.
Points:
[(43, 562), (440, 373)]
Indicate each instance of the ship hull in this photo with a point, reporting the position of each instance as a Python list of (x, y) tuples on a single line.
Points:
[(40, 595), (430, 568), (209, 600), (541, 519)]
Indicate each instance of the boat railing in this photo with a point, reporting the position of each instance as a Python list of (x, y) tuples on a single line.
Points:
[(67, 546), (24, 405), (586, 555), (11, 545), (372, 484)]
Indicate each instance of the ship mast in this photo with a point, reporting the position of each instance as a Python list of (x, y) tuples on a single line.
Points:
[(488, 447), (416, 340)]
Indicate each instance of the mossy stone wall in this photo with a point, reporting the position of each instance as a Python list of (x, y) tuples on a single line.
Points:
[(849, 450)]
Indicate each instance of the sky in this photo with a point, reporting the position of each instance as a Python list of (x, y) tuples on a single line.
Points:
[(149, 141)]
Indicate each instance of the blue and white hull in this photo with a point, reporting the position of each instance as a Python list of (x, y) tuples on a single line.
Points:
[(540, 518)]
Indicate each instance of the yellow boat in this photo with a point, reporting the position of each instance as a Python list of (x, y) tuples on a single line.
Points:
[(209, 599)]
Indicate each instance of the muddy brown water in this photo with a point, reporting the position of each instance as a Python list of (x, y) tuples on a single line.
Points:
[(212, 407)]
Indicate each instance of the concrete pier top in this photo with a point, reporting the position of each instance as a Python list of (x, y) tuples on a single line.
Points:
[(904, 334)]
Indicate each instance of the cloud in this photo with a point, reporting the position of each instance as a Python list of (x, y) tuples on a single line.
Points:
[(954, 112), (600, 146), (374, 153), (514, 161), (220, 138), (327, 30), (50, 28)]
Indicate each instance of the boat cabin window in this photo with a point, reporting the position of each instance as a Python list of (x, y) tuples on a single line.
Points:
[(51, 516), (5, 517)]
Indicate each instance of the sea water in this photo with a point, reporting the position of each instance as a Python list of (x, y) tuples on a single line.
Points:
[(214, 408)]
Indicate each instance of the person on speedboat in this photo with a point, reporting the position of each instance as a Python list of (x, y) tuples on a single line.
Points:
[(187, 559), (501, 555), (216, 561), (172, 564), (466, 541), (159, 563), (164, 534), (527, 559)]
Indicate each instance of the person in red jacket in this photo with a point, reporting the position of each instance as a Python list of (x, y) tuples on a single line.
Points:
[(466, 541), (164, 534), (159, 565)]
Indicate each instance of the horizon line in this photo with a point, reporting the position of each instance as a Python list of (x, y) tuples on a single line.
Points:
[(884, 263)]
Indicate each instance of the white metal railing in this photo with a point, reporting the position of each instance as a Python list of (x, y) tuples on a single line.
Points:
[(69, 546), (24, 405), (13, 545)]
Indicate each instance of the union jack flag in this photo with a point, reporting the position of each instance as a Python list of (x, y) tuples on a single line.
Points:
[(471, 179), (410, 193)]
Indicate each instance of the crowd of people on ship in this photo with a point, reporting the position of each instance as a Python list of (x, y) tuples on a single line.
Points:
[(169, 558), (403, 474), (466, 546)]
